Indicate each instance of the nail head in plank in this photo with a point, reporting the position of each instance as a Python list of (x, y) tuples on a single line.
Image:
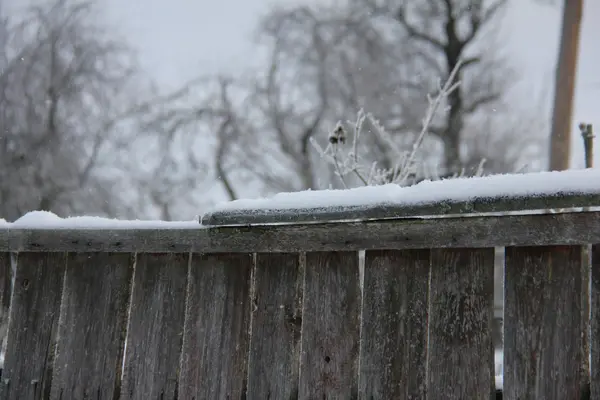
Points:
[(330, 326)]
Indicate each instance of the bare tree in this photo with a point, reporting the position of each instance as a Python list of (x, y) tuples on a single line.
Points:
[(323, 64), (63, 103), (183, 140), (327, 62)]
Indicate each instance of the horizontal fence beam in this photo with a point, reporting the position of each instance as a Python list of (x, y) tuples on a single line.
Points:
[(478, 231), (399, 209)]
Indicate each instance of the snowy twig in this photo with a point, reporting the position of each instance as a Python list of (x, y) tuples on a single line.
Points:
[(444, 91), (351, 163)]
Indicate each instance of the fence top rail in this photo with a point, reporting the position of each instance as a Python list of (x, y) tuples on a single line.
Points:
[(492, 194), (567, 228), (430, 215)]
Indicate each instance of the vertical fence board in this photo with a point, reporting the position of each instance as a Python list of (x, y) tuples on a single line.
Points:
[(542, 326), (595, 324), (155, 326), (5, 280), (92, 326), (461, 364), (215, 344), (330, 326), (34, 318), (394, 324), (273, 364), (586, 264), (5, 292)]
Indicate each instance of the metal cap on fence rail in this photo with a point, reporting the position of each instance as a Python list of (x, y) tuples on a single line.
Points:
[(271, 300)]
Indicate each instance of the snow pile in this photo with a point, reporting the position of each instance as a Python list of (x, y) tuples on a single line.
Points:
[(48, 220), (585, 181)]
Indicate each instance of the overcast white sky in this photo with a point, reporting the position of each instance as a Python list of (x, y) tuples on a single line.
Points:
[(180, 39)]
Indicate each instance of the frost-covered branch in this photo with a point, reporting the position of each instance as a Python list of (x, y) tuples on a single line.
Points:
[(350, 163)]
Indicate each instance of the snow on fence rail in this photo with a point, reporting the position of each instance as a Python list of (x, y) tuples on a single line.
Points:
[(109, 309)]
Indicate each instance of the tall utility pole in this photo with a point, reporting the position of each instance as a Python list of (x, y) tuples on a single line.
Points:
[(564, 85), (3, 39)]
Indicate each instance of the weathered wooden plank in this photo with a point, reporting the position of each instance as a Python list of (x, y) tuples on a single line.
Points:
[(461, 360), (595, 324), (586, 265), (274, 362), (488, 231), (217, 323), (92, 326), (155, 326), (400, 209), (34, 316), (5, 293), (6, 276), (394, 325), (330, 326), (542, 323)]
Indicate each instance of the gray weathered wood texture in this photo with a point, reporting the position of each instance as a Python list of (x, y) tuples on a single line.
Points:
[(330, 326), (460, 324), (34, 318), (215, 344), (586, 260), (5, 293), (5, 280), (487, 231), (542, 323), (595, 324), (199, 329), (380, 211), (92, 326), (394, 325), (273, 363), (155, 327)]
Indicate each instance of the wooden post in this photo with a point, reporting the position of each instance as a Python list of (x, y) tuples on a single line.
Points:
[(564, 86)]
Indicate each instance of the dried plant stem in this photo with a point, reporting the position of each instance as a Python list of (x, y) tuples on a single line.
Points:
[(444, 91)]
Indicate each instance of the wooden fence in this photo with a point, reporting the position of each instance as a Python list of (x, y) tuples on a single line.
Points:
[(284, 311)]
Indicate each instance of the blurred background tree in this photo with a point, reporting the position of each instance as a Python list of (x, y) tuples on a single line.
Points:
[(86, 132)]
